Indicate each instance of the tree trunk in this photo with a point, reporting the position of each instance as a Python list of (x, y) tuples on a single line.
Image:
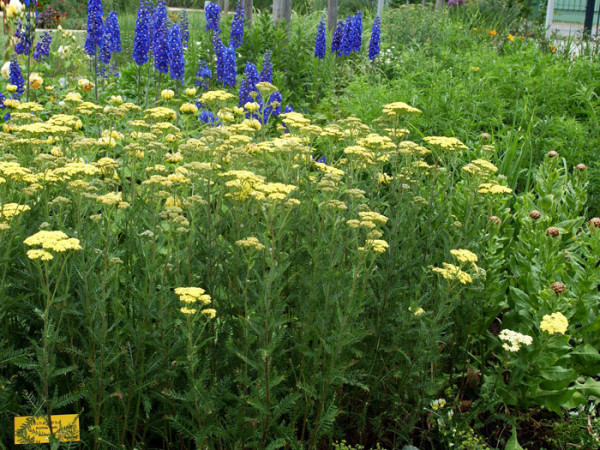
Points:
[(226, 6), (248, 11), (332, 13)]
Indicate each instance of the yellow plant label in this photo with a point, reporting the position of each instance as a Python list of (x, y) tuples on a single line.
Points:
[(35, 430)]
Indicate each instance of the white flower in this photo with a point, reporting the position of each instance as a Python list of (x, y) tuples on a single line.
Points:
[(14, 8), (6, 70), (63, 50)]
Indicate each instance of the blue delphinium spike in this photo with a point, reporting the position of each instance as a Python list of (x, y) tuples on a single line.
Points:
[(375, 39), (16, 77), (95, 30), (346, 47), (266, 73), (212, 12), (357, 30), (338, 35), (237, 26), (141, 40), (230, 69), (176, 59), (42, 48), (320, 42), (113, 31), (23, 43), (160, 45), (185, 27), (203, 74), (220, 66), (248, 84)]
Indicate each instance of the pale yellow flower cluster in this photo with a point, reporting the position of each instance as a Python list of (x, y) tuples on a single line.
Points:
[(555, 323), (215, 96), (50, 240), (250, 242), (480, 167), (188, 108), (10, 210), (399, 108), (464, 256), (493, 188), (452, 272), (445, 143), (191, 295), (512, 341), (160, 113)]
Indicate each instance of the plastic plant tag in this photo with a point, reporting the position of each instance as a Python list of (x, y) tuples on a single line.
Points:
[(35, 430)]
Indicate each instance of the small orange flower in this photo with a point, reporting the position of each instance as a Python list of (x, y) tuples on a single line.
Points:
[(511, 37), (51, 99), (552, 48), (493, 33)]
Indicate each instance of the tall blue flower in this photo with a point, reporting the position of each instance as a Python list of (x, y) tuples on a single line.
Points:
[(248, 84), (23, 36), (2, 99), (320, 42), (185, 27), (176, 59), (16, 77), (346, 47), (375, 39), (203, 74), (160, 45), (141, 40), (42, 49), (212, 12), (220, 66), (94, 27), (236, 37), (230, 69), (357, 29), (112, 32), (266, 73), (338, 36)]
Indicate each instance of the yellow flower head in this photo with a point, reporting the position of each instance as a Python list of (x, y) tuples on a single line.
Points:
[(35, 80), (555, 323), (167, 94), (53, 240)]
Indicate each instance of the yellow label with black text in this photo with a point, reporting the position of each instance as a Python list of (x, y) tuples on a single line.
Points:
[(35, 430)]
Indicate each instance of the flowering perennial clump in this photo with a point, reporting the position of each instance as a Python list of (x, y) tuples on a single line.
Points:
[(42, 48), (452, 272)]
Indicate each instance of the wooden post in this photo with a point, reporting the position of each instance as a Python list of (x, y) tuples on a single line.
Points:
[(380, 8), (282, 10), (248, 11), (549, 18), (332, 14), (225, 6)]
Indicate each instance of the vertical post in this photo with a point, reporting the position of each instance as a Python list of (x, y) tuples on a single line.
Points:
[(439, 4), (332, 14), (549, 18), (589, 18), (380, 8), (248, 11), (226, 6), (277, 7)]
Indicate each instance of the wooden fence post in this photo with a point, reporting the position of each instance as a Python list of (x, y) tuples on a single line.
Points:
[(248, 11)]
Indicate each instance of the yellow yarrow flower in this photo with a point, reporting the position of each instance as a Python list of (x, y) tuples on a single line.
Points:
[(42, 255), (555, 323), (464, 256), (53, 240)]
